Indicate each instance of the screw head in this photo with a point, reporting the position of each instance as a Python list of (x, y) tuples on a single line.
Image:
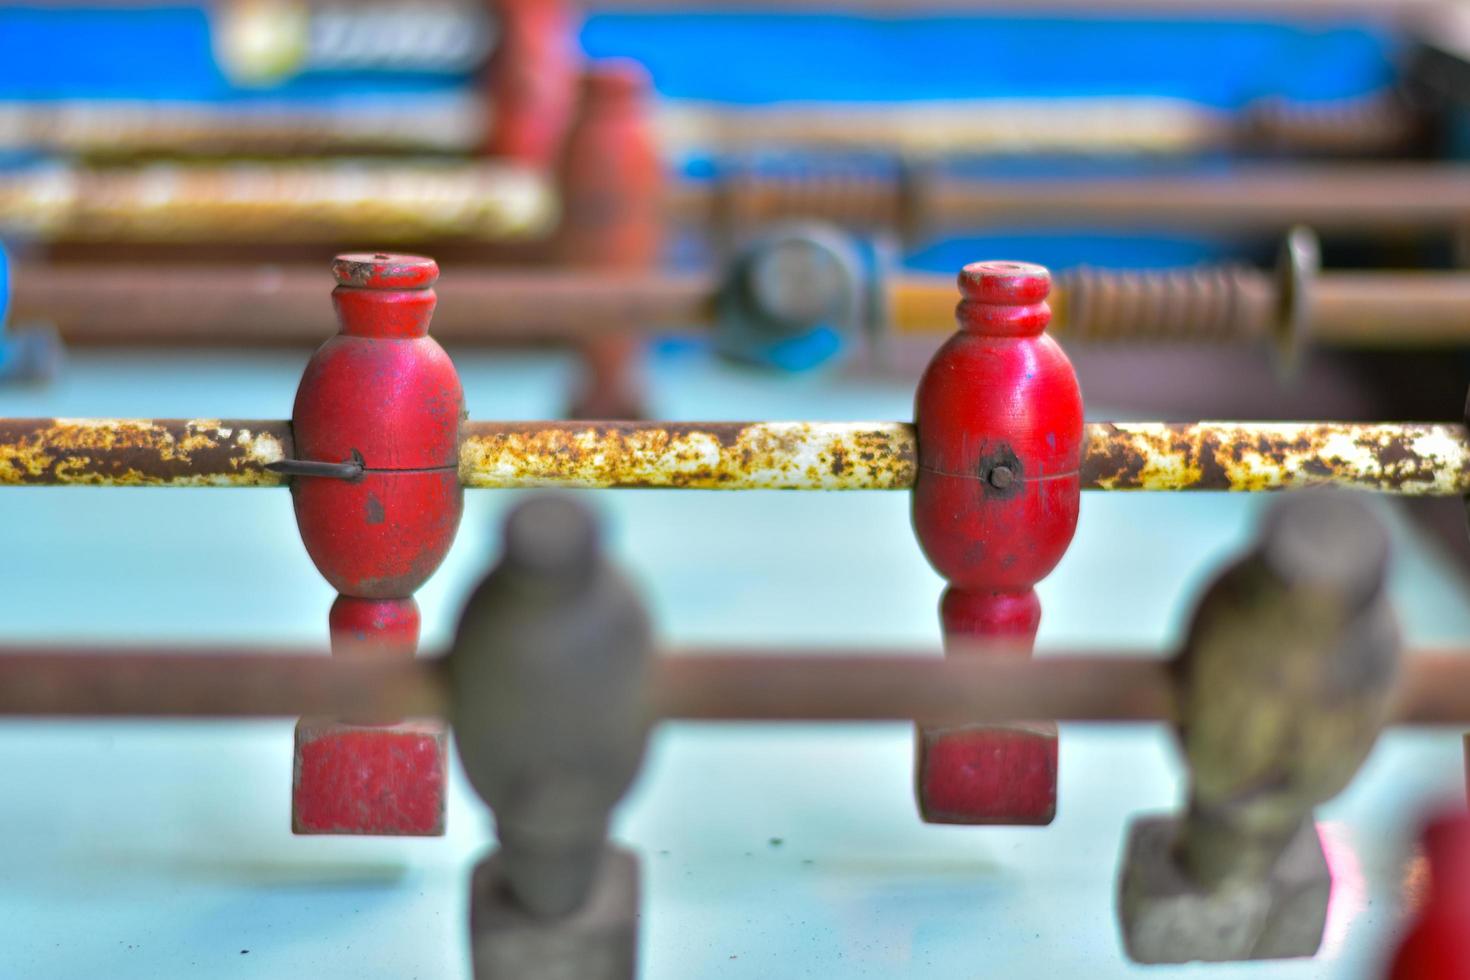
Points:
[(1001, 477)]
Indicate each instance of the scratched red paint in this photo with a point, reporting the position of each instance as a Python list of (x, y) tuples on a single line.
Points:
[(361, 780), (382, 392), (992, 775), (999, 427)]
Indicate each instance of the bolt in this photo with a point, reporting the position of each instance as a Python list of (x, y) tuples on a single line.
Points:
[(1002, 477)]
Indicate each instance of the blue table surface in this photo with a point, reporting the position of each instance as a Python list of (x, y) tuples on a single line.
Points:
[(133, 849)]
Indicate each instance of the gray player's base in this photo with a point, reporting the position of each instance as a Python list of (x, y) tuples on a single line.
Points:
[(598, 942), (1166, 918)]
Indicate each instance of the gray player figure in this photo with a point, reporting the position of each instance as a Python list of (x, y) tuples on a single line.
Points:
[(548, 675), (1282, 687)]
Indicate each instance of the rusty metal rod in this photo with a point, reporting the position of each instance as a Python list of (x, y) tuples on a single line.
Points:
[(1328, 197), (788, 687), (485, 202), (280, 202), (1411, 459), (143, 452), (689, 455), (1237, 303), (267, 305), (1376, 123), (225, 682), (693, 684), (121, 128), (1391, 308)]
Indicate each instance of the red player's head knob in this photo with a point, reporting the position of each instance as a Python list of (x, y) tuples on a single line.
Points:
[(1004, 299), (380, 270), (382, 295)]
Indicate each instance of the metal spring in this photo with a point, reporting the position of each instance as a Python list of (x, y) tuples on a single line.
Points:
[(1211, 303), (856, 197)]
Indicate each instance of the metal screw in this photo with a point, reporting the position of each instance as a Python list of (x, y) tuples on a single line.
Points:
[(1002, 477)]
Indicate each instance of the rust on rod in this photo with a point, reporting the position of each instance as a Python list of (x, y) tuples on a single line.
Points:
[(142, 452), (322, 201), (693, 684), (1411, 459), (1399, 458), (689, 455)]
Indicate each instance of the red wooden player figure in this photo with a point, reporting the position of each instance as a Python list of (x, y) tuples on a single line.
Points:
[(999, 420), (1437, 946), (612, 182), (531, 80), (378, 500)]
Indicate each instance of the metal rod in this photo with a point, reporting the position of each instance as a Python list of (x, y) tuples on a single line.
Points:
[(934, 129), (1391, 309), (691, 684), (1235, 304), (689, 455), (264, 305), (482, 202), (143, 452), (767, 687), (281, 202), (1328, 197), (247, 305), (125, 128), (1407, 459), (1410, 459), (455, 126), (225, 682)]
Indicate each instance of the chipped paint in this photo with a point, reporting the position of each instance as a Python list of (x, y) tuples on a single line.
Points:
[(1408, 459), (693, 456), (142, 452)]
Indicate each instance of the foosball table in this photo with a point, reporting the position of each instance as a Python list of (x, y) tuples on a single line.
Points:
[(648, 681), (1290, 666)]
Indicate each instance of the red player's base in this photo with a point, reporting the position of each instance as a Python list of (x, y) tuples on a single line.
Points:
[(992, 774), (369, 779)]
